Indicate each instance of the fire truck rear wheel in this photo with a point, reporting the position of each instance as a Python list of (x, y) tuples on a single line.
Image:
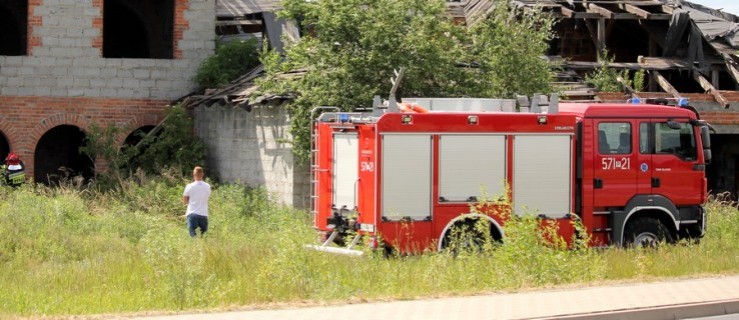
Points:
[(646, 233), (467, 236)]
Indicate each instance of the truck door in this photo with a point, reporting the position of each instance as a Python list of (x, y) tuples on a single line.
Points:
[(644, 158), (615, 174), (676, 173)]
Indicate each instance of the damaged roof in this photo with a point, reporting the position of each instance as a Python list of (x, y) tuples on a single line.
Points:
[(240, 8), (241, 92), (681, 28)]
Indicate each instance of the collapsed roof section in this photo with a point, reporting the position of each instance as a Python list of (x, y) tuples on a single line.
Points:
[(685, 47), (244, 19)]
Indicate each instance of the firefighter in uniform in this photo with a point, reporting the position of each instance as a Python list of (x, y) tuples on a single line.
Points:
[(15, 173)]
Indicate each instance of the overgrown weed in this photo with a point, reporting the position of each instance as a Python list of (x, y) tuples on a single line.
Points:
[(76, 251)]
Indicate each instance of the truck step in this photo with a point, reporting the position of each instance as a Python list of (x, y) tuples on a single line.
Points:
[(602, 230)]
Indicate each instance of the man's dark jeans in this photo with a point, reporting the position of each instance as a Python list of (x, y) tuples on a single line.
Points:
[(195, 221)]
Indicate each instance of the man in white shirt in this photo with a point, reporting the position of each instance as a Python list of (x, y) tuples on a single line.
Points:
[(196, 198)]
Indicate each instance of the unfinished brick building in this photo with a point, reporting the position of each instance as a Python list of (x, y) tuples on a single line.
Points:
[(65, 65)]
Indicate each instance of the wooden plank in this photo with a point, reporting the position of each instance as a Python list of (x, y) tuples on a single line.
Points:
[(599, 10), (665, 85), (572, 14), (639, 12), (710, 89), (567, 12), (601, 40), (733, 71), (668, 9), (627, 87), (624, 16), (660, 16), (238, 23), (593, 34)]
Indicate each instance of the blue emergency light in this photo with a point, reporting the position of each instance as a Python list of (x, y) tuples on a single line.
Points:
[(635, 100), (343, 117), (683, 102)]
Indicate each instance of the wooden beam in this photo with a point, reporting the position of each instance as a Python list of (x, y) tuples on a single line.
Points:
[(665, 85), (710, 89), (599, 10), (567, 12), (624, 16), (715, 78), (668, 9), (627, 87), (733, 71), (593, 34), (601, 40), (639, 12), (572, 14)]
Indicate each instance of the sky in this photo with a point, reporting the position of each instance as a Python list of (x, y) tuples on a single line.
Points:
[(730, 6)]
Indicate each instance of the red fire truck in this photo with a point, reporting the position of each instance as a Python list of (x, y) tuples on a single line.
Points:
[(408, 173)]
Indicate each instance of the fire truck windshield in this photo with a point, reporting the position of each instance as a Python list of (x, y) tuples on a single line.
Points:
[(675, 138)]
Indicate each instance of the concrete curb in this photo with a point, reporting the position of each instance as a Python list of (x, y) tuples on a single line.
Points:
[(686, 311)]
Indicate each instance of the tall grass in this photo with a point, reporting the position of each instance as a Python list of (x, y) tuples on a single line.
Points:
[(69, 251)]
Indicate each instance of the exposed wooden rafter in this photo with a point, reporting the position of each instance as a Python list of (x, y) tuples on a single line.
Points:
[(668, 9), (603, 12), (639, 12), (665, 85), (731, 67), (572, 14), (629, 90), (710, 89), (643, 14)]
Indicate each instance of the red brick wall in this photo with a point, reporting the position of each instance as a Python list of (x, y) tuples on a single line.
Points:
[(26, 119), (722, 117), (97, 42), (33, 22), (180, 25)]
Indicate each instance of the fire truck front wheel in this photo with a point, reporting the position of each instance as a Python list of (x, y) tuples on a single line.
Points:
[(646, 233)]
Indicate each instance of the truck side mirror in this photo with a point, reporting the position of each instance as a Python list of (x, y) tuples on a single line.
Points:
[(674, 125), (706, 139)]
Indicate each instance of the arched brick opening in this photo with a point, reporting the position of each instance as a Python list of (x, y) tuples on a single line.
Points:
[(13, 27), (57, 156), (137, 135), (4, 146), (133, 140), (9, 140)]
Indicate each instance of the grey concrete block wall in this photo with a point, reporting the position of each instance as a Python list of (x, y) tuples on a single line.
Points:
[(67, 34), (247, 147)]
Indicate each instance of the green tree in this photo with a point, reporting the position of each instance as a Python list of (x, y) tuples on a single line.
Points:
[(509, 46), (351, 47), (230, 60), (604, 78)]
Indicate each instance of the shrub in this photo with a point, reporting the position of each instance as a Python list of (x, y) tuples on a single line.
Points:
[(230, 60)]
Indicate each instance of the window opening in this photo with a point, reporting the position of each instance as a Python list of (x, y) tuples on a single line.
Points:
[(138, 29), (13, 27)]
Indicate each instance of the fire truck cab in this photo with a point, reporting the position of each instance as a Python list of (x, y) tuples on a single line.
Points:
[(633, 173)]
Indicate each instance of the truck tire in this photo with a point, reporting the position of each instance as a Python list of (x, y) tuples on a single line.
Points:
[(646, 233), (468, 236)]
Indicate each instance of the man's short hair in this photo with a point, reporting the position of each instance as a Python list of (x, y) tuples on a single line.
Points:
[(198, 171)]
